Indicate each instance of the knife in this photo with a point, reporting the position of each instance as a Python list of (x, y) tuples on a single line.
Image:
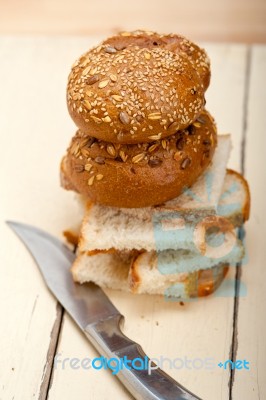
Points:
[(96, 316)]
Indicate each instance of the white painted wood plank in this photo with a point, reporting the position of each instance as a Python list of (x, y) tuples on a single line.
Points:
[(224, 98), (251, 315), (34, 130), (197, 330)]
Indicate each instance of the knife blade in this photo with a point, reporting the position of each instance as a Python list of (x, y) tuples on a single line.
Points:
[(96, 316)]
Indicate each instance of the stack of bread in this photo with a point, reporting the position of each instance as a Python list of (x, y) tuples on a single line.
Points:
[(161, 208)]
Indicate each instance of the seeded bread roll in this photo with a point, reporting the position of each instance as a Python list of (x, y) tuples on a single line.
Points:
[(139, 175), (172, 42), (134, 93)]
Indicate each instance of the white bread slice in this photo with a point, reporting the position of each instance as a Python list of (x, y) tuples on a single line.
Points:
[(105, 229), (127, 273)]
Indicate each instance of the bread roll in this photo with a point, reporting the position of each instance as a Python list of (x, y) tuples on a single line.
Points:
[(138, 87), (139, 175)]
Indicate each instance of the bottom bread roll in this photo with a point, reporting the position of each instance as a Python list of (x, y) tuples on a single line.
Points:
[(126, 272)]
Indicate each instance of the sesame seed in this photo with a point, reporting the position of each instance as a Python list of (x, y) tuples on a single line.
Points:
[(90, 181), (147, 56), (106, 119)]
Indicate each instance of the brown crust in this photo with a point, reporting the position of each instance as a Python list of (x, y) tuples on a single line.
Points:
[(246, 206), (133, 90), (140, 175), (204, 282), (171, 42), (196, 284)]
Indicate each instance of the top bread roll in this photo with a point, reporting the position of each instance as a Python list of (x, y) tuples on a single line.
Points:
[(138, 87)]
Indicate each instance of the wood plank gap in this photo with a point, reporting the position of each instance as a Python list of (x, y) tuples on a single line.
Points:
[(241, 232), (48, 368)]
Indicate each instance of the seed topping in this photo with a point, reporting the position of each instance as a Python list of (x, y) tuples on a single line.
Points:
[(185, 163), (124, 118), (138, 158)]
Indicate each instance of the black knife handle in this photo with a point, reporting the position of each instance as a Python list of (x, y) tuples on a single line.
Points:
[(110, 342)]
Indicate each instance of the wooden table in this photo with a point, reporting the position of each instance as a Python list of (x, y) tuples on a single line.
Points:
[(34, 132)]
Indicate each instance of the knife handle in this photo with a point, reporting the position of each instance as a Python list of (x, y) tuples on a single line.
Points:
[(110, 342)]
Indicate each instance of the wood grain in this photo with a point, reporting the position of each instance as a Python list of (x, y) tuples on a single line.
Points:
[(251, 321)]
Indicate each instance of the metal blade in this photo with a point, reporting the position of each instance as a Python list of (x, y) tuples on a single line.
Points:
[(85, 303)]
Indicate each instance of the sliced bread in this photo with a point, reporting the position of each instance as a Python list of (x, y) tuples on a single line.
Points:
[(106, 228), (128, 273)]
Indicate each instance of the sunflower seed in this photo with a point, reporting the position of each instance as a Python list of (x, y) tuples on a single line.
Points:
[(153, 147), (75, 149), (103, 84), (120, 46), (111, 150), (201, 120), (173, 125), (87, 104), (124, 118), (154, 116), (117, 97), (93, 71), (93, 79), (185, 163), (138, 158), (164, 144), (155, 137), (79, 168), (123, 156), (99, 160), (99, 177), (85, 152), (86, 70), (91, 140), (113, 78), (110, 50)]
